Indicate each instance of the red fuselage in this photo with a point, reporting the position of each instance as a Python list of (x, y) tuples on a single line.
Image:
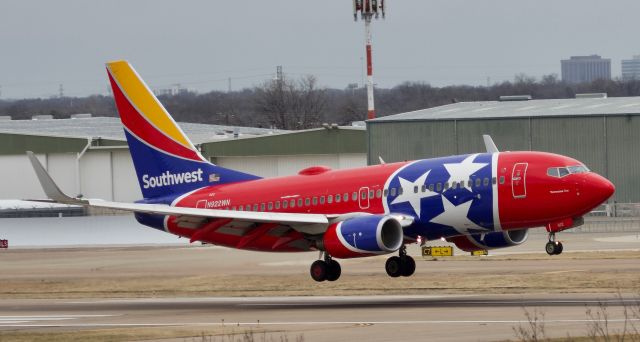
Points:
[(448, 197)]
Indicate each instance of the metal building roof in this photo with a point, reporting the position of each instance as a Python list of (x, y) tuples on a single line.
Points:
[(519, 109), (343, 139), (111, 128)]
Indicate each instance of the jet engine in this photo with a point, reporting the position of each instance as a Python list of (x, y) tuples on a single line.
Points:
[(509, 238), (362, 236)]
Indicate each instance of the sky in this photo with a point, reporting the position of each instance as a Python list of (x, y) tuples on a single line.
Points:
[(201, 44)]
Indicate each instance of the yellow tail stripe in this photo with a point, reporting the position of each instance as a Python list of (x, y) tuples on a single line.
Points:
[(146, 103)]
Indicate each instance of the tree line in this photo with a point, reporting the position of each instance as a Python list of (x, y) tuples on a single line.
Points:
[(301, 103)]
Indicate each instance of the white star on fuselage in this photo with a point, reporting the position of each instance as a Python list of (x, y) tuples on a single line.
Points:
[(462, 171), (456, 217), (409, 195)]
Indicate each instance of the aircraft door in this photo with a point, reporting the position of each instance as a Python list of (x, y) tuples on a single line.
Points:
[(518, 180), (363, 198)]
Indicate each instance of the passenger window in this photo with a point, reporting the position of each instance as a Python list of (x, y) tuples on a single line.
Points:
[(330, 199), (393, 191), (293, 203), (315, 201), (345, 197), (485, 182), (415, 189), (307, 201), (262, 207), (285, 204), (493, 180), (277, 204), (385, 192), (400, 190), (454, 185), (501, 179), (354, 196), (439, 186), (371, 193), (364, 195), (378, 193), (247, 207), (300, 202), (233, 208), (270, 206), (446, 186), (431, 187), (478, 181), (321, 199), (338, 198)]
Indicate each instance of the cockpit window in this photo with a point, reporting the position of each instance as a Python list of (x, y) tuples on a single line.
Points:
[(560, 172), (577, 169)]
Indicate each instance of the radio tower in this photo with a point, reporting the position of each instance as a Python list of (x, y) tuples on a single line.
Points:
[(369, 9)]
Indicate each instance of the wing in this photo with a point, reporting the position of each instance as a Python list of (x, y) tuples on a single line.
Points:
[(246, 225)]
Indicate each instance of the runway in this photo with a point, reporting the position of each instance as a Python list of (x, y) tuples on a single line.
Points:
[(378, 318)]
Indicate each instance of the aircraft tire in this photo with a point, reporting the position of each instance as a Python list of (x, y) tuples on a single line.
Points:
[(333, 270), (393, 266), (559, 248), (408, 266), (550, 248), (318, 270)]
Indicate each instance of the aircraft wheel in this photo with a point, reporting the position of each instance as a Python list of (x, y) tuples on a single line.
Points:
[(550, 248), (559, 248), (393, 267), (319, 270), (408, 266), (333, 270)]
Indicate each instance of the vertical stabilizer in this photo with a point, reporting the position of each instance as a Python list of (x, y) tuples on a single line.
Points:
[(166, 162)]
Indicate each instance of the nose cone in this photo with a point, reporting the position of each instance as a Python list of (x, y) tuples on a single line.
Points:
[(598, 189)]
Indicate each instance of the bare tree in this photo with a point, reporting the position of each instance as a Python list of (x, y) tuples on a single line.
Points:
[(288, 104)]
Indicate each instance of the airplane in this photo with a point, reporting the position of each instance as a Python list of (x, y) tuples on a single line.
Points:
[(477, 201)]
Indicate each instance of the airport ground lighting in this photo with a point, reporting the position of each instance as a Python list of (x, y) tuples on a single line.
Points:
[(367, 10)]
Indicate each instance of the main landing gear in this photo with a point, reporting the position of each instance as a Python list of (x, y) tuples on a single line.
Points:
[(553, 247), (327, 269), (402, 265)]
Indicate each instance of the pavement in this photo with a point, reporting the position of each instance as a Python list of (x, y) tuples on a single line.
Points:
[(376, 318)]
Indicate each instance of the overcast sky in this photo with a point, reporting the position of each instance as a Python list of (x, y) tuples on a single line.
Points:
[(200, 44)]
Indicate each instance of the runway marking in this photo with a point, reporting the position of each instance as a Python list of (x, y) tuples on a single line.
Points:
[(360, 323), (567, 271), (9, 321)]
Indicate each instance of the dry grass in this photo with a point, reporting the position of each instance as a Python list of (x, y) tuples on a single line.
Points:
[(146, 334), (528, 273)]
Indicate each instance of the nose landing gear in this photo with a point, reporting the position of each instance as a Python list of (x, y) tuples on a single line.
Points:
[(553, 247), (327, 269), (402, 265)]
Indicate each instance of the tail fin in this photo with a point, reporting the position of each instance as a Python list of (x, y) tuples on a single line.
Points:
[(166, 162)]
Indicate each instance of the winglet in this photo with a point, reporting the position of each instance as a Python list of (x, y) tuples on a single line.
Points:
[(48, 185), (488, 143)]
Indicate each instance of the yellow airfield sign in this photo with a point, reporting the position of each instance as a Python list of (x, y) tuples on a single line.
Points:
[(437, 251)]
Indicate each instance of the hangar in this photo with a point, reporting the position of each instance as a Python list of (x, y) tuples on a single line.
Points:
[(602, 132), (89, 156)]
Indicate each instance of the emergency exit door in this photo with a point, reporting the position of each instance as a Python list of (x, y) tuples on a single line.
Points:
[(519, 180)]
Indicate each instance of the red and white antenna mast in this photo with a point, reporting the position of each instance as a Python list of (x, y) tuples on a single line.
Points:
[(369, 9)]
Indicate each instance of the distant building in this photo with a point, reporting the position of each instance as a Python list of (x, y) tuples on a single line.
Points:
[(631, 68), (580, 69)]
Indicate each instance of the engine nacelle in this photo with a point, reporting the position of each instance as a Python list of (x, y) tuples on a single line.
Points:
[(363, 236), (509, 238)]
